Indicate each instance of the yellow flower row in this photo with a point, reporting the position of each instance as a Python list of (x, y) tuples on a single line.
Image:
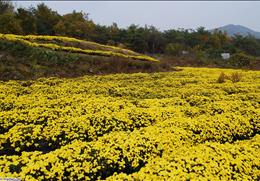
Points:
[(210, 161), (69, 39)]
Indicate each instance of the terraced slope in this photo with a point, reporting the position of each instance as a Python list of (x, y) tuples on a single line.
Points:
[(31, 57), (160, 126), (76, 46)]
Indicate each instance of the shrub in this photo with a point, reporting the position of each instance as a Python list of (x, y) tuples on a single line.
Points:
[(221, 77), (214, 53), (202, 57), (240, 60), (235, 77), (173, 49)]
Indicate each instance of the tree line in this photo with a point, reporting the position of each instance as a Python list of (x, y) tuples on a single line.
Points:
[(42, 20)]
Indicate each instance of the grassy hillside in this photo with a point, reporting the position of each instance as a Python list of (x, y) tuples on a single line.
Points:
[(160, 126), (27, 57)]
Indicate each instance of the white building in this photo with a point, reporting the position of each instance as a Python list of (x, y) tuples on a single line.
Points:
[(225, 56), (183, 52)]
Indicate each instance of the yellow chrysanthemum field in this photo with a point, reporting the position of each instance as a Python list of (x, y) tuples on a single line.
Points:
[(180, 125)]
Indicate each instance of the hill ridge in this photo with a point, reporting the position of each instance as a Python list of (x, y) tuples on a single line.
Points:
[(233, 29)]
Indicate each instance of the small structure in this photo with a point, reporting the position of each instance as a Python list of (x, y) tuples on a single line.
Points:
[(183, 52), (225, 56)]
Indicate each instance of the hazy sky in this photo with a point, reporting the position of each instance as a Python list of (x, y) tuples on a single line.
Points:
[(163, 14)]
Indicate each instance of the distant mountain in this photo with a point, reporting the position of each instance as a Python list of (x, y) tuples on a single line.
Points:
[(238, 29)]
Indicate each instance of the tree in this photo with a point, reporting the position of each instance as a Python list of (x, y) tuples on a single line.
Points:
[(9, 24), (6, 7), (155, 40), (75, 24), (113, 32), (27, 20), (249, 44), (46, 19), (135, 38), (100, 34)]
